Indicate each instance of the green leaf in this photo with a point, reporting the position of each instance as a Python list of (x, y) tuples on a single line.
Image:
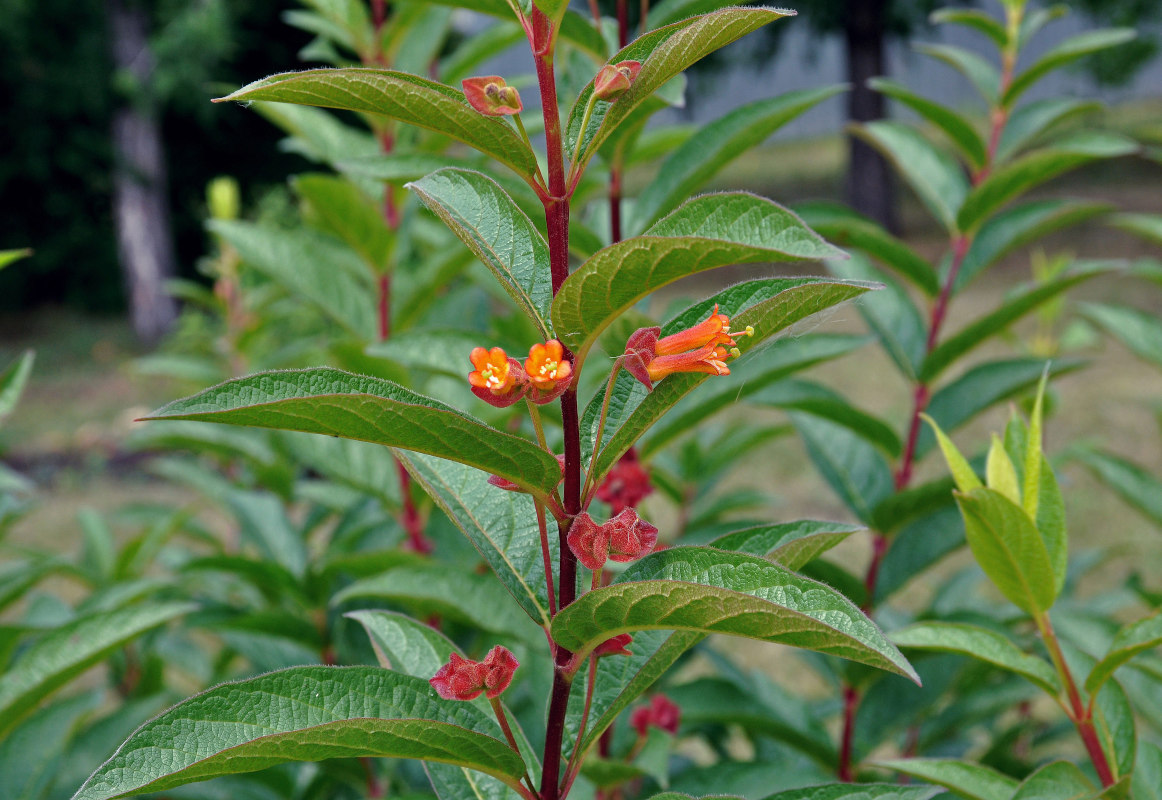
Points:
[(710, 591), (980, 643), (1059, 780), (819, 401), (1014, 307), (317, 268), (1137, 486), (982, 387), (12, 256), (861, 791), (980, 73), (791, 544), (1148, 773), (33, 755), (1068, 51), (890, 313), (1029, 121), (501, 525), (846, 228), (69, 650), (1148, 226), (623, 679), (706, 232), (1035, 168), (1021, 225), (1114, 723), (405, 97), (1135, 638), (921, 543), (502, 237), (935, 177), (715, 145), (769, 306), (758, 708), (1009, 549), (302, 714), (451, 592), (663, 53), (12, 382), (413, 648), (777, 360), (1001, 474), (1139, 331), (977, 20), (965, 779), (1036, 19), (337, 403), (856, 470), (959, 131), (338, 207)]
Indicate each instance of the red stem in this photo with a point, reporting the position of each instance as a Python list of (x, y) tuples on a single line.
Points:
[(384, 306), (622, 23), (615, 204), (921, 395), (850, 704)]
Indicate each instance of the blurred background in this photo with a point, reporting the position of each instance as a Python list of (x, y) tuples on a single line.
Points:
[(109, 142)]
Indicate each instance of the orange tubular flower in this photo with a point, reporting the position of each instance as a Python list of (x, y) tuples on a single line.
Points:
[(497, 379), (549, 373), (491, 96), (702, 348)]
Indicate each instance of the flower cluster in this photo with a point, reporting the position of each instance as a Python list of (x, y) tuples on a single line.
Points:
[(626, 537), (462, 679), (491, 96), (704, 348), (662, 713), (502, 381), (626, 485)]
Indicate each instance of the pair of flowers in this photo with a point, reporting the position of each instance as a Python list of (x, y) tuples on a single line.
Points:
[(491, 96), (501, 380)]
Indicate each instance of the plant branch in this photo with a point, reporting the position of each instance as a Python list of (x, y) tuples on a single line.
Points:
[(589, 482)]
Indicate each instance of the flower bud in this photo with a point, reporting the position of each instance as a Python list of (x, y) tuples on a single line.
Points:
[(491, 96), (661, 713), (588, 541), (463, 679), (615, 646), (626, 485), (630, 536), (614, 80)]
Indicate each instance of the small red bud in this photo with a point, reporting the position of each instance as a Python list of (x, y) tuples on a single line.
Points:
[(661, 713), (630, 536), (614, 80), (463, 679), (626, 485), (588, 541), (615, 646)]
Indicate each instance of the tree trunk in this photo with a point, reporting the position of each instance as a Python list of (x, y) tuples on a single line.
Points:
[(140, 201), (870, 189)]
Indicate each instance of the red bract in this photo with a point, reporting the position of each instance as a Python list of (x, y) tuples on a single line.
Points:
[(463, 679), (614, 80), (588, 541), (626, 485), (661, 713), (490, 95), (630, 536), (615, 646)]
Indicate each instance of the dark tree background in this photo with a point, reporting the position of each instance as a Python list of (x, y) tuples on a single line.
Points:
[(60, 93)]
